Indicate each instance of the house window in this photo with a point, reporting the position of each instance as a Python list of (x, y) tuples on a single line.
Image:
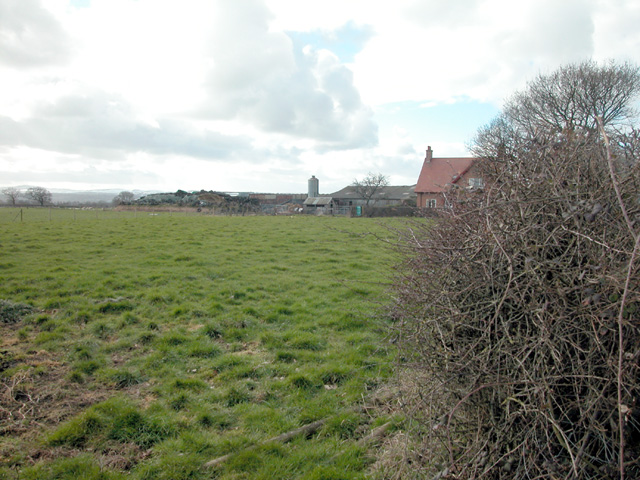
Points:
[(476, 183), (431, 203)]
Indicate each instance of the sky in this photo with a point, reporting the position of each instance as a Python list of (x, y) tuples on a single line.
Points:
[(258, 95)]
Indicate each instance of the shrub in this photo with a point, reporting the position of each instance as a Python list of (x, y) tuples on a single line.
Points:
[(515, 313)]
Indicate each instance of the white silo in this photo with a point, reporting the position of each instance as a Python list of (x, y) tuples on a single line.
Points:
[(314, 187)]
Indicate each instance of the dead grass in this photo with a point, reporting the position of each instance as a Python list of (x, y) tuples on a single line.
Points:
[(35, 395)]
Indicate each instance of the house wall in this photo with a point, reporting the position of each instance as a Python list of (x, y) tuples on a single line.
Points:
[(423, 199)]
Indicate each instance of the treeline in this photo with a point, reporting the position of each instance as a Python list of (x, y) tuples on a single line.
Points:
[(203, 199)]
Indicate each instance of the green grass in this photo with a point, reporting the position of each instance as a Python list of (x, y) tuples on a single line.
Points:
[(157, 343)]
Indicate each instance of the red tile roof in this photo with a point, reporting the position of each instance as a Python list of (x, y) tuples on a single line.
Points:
[(438, 174)]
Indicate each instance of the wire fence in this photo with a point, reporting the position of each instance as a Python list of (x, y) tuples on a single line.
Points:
[(34, 214), (58, 214)]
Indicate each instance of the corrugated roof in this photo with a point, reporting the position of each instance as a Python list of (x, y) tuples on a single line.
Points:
[(401, 192), (440, 173), (318, 201)]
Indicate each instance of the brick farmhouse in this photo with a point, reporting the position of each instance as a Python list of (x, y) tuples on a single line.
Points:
[(439, 175)]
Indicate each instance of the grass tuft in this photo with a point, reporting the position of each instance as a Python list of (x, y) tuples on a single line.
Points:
[(81, 467), (115, 419), (114, 305), (12, 312)]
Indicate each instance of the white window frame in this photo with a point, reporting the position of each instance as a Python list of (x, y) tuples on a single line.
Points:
[(476, 182), (431, 203)]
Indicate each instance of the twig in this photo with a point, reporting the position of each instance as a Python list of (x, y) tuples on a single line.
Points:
[(376, 434), (283, 438), (625, 292), (614, 179)]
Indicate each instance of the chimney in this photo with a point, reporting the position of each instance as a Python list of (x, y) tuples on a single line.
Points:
[(429, 155)]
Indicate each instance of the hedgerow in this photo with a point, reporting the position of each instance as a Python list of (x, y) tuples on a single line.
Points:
[(517, 314)]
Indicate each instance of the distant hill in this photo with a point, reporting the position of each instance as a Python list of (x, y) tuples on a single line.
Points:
[(71, 197)]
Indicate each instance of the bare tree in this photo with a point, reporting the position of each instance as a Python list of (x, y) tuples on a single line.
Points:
[(40, 195), (12, 194), (566, 101), (516, 312), (124, 197), (370, 185)]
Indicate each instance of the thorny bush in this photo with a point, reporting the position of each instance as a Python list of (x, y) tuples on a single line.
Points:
[(518, 316)]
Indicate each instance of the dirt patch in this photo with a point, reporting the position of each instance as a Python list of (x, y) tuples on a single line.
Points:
[(251, 348), (35, 396), (36, 393)]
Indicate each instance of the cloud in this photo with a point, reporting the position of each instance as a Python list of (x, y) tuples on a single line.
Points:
[(30, 36), (61, 174), (344, 42), (616, 23), (568, 28), (478, 49), (258, 78), (281, 89), (103, 125), (454, 14)]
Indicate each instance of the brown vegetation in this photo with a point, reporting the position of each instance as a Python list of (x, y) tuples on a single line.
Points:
[(517, 315)]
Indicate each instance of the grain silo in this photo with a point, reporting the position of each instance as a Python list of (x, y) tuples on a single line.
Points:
[(314, 187)]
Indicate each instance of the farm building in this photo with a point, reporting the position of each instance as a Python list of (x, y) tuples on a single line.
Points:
[(439, 175), (340, 202), (278, 203), (383, 197), (314, 204), (319, 205)]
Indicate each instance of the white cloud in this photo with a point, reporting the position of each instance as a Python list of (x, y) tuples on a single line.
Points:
[(30, 36), (101, 125), (258, 77), (261, 94), (482, 50), (618, 36)]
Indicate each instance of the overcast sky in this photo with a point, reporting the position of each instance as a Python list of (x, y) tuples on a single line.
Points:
[(258, 95)]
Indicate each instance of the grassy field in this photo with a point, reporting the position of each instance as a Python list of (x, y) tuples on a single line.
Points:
[(157, 343)]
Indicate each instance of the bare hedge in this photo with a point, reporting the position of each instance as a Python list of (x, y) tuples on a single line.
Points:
[(518, 316)]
